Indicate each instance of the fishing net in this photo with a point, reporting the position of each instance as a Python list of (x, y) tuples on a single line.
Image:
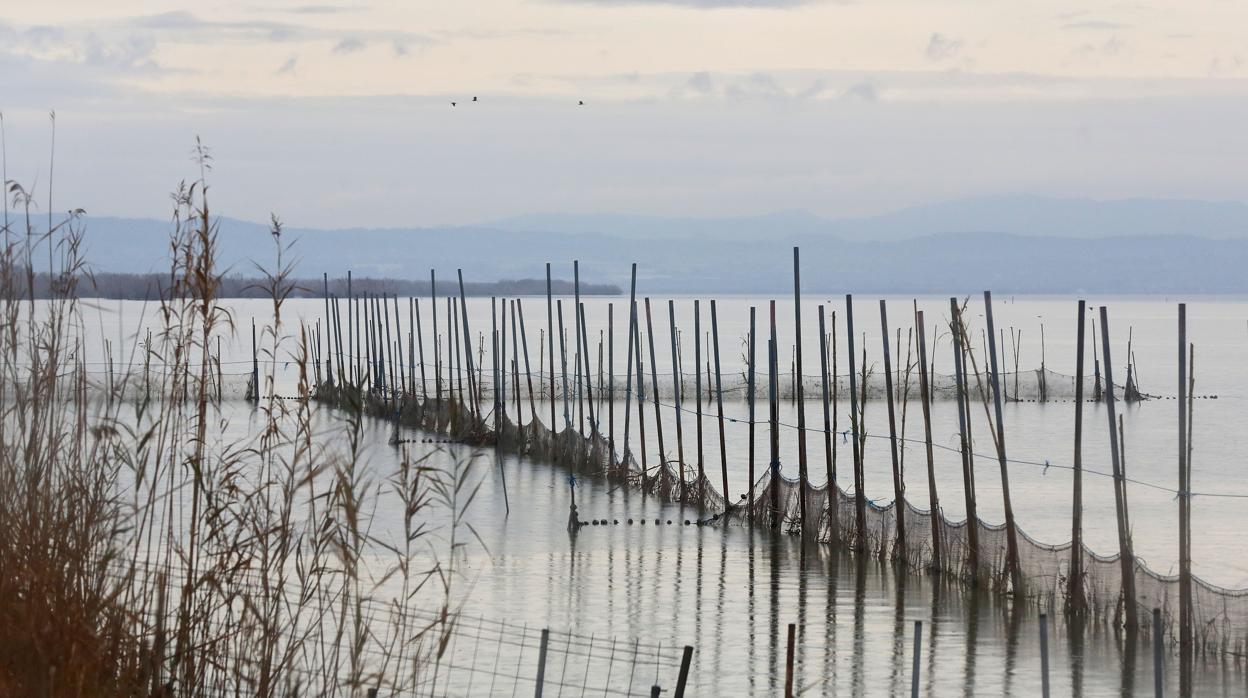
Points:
[(973, 551), (1038, 385)]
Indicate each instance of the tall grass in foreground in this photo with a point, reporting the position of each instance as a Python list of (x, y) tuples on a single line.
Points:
[(145, 552)]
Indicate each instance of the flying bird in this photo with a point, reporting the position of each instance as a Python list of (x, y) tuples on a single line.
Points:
[(452, 104), (580, 103), (474, 99)]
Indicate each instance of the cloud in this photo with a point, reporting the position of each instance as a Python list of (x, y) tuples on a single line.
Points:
[(324, 9), (861, 92), (1096, 25), (756, 85), (704, 4), (134, 51), (349, 45), (941, 47)]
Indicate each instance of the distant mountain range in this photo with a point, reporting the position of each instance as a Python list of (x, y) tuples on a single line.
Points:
[(1011, 244)]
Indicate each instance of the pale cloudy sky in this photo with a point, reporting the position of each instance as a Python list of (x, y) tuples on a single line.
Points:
[(339, 113)]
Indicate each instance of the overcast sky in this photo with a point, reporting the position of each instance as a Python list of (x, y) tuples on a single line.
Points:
[(340, 114)]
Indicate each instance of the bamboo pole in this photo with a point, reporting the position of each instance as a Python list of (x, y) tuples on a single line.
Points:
[(802, 475), (352, 349), (1074, 578), (1011, 529), (580, 350), (925, 395), (964, 441), (1126, 554), (719, 403), (860, 499), (501, 388), (899, 486), (328, 368), (680, 435)]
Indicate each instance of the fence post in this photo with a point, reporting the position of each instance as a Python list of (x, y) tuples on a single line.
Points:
[(654, 691), (685, 661), (1157, 656), (788, 663), (1044, 655), (541, 663), (918, 646)]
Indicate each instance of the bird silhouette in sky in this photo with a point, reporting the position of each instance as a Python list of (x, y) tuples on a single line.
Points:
[(474, 99), (452, 104), (580, 103)]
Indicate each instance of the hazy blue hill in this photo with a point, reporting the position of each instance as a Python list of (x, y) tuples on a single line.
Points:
[(1014, 245)]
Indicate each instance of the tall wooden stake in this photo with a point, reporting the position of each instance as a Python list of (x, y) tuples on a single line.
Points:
[(1126, 554), (899, 486), (550, 334), (802, 474), (773, 419), (528, 372), (964, 443), (860, 497), (680, 436), (1186, 648), (750, 384), (1011, 530), (697, 390), (719, 402), (832, 492), (654, 385), (1074, 581), (925, 394), (628, 390)]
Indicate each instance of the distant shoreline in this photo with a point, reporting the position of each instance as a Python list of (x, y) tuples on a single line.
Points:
[(120, 286)]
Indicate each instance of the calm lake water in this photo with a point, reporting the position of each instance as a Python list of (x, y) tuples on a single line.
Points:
[(730, 591)]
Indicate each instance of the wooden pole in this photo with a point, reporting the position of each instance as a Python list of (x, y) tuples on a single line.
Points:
[(495, 367), (501, 388), (1158, 656), (964, 443), (860, 498), (452, 305), (925, 395), (550, 334), (474, 390), (1186, 648), (1011, 530), (611, 380), (528, 373), (437, 342), (685, 660), (899, 485), (1074, 578), (420, 349), (719, 405), (803, 476), (328, 320), (641, 395), (628, 363), (1126, 555), (515, 353), (750, 399), (654, 384), (589, 389), (255, 365), (580, 350), (827, 429), (680, 436), (697, 389), (351, 348), (563, 366), (773, 418)]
